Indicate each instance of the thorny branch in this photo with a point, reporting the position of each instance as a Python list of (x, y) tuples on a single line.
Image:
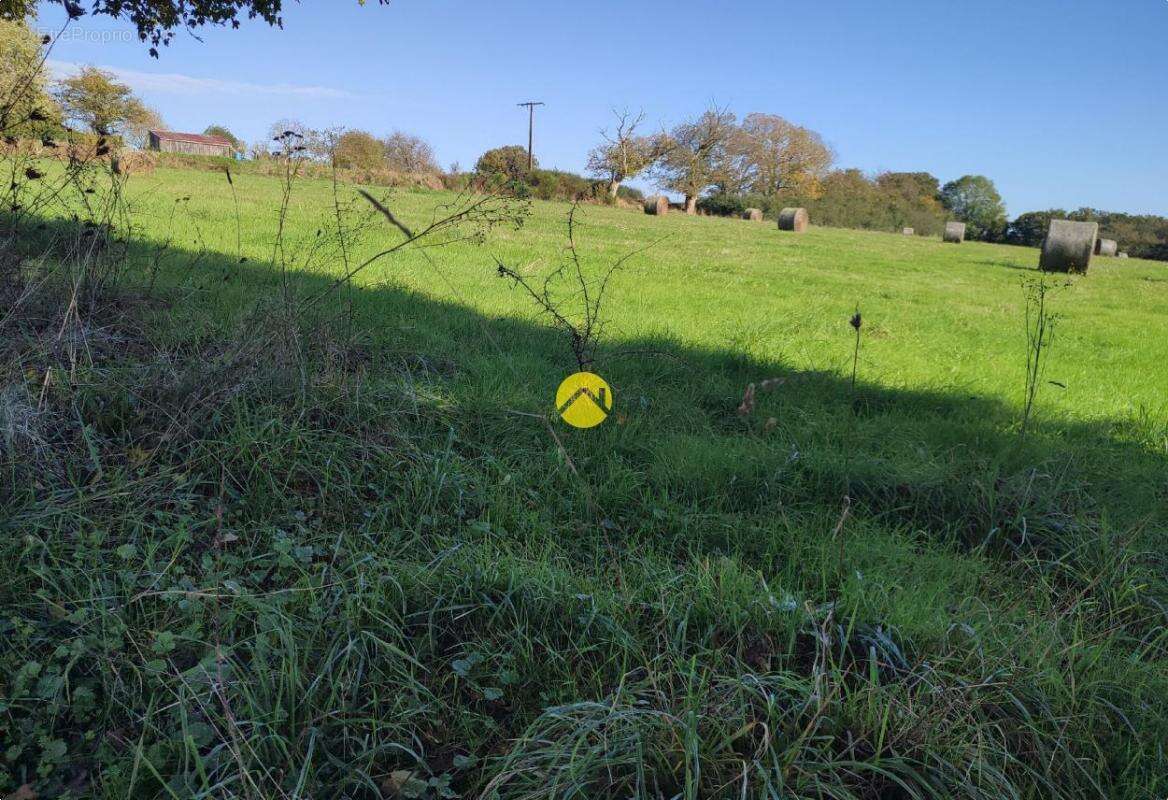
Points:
[(585, 324)]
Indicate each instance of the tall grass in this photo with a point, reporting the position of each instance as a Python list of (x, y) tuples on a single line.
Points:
[(292, 525)]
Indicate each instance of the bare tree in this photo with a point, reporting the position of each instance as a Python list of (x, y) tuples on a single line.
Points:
[(572, 295), (136, 131), (698, 156), (624, 154), (770, 154), (407, 153), (291, 137)]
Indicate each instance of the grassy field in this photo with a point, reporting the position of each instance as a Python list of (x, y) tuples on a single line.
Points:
[(351, 552)]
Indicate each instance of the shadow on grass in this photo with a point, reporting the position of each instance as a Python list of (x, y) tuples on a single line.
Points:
[(407, 527), (992, 262), (946, 462)]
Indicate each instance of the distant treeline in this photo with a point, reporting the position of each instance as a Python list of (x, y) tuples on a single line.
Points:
[(849, 199), (1139, 235), (892, 201), (509, 166), (719, 163), (555, 184)]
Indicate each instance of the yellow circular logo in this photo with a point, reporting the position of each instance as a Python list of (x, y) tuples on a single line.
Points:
[(584, 400)]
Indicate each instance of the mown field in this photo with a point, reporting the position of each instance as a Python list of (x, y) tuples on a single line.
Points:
[(267, 534)]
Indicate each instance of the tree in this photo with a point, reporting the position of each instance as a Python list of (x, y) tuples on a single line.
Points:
[(974, 200), (510, 162), (848, 199), (1141, 235), (94, 99), (914, 199), (136, 131), (291, 137), (26, 109), (624, 154), (282, 127), (771, 154), (1030, 229), (410, 154), (918, 188), (359, 150), (224, 133), (157, 20), (697, 157)]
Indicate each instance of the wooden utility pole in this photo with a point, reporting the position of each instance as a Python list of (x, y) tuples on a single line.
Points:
[(531, 104)]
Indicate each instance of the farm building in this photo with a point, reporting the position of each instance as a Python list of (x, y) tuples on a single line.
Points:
[(194, 144)]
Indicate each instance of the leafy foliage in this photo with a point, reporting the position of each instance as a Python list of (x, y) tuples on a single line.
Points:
[(26, 108), (913, 200), (223, 132), (1140, 235), (850, 199), (93, 98), (507, 163), (722, 204), (770, 155), (974, 200), (157, 20), (359, 150)]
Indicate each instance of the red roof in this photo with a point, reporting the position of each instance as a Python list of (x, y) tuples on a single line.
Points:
[(194, 138)]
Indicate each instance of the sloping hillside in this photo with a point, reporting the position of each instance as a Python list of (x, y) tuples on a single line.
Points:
[(272, 532)]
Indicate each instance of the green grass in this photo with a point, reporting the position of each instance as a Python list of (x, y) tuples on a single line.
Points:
[(345, 556)]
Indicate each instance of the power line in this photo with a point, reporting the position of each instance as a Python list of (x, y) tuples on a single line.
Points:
[(531, 104)]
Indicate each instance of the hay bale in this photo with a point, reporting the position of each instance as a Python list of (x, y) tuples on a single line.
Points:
[(1106, 247), (657, 206), (954, 232), (793, 219), (1068, 246), (753, 214), (1121, 255), (908, 232)]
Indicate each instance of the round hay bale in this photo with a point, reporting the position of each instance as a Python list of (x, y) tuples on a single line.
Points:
[(753, 214), (1121, 255), (1106, 247), (954, 232), (793, 219), (1068, 246), (657, 206), (908, 232)]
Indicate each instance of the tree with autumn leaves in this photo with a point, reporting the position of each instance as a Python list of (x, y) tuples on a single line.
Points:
[(768, 155), (764, 155)]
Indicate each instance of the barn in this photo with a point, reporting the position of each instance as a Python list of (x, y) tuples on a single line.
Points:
[(195, 144)]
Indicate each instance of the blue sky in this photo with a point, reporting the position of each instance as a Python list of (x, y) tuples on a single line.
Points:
[(1060, 102)]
